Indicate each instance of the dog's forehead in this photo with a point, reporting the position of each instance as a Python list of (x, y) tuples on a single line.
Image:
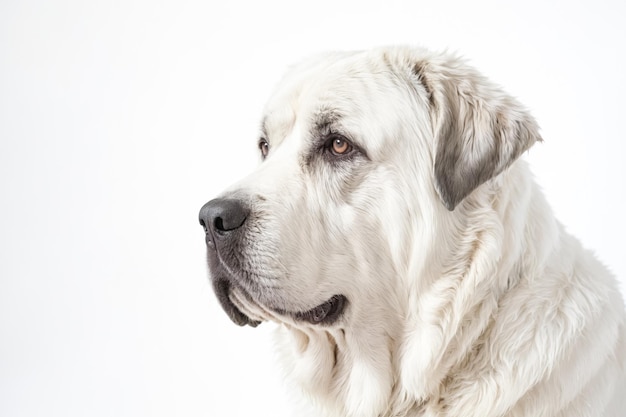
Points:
[(326, 89)]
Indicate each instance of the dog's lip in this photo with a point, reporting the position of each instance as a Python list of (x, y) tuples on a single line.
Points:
[(326, 313), (222, 289)]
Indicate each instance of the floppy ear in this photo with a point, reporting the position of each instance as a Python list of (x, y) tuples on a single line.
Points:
[(479, 130)]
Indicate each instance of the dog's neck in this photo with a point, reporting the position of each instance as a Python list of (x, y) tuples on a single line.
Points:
[(451, 306), (463, 285)]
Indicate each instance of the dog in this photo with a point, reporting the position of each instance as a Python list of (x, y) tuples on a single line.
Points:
[(412, 264)]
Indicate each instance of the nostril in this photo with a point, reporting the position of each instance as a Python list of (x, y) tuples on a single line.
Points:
[(219, 224), (203, 225)]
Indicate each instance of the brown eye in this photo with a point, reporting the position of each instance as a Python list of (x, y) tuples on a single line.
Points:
[(340, 146), (264, 147)]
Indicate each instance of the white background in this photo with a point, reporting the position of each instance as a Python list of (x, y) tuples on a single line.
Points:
[(119, 119)]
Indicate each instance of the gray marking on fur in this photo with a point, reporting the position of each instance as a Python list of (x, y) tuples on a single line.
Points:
[(469, 154), (420, 70)]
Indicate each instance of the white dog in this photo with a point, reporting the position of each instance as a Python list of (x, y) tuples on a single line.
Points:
[(412, 263)]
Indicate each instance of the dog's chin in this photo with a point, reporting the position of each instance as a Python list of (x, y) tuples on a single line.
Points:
[(234, 309), (242, 308)]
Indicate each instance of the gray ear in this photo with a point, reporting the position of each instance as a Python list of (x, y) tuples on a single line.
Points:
[(479, 130)]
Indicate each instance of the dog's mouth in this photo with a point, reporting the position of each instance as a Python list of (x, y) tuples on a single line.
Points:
[(236, 294), (243, 310)]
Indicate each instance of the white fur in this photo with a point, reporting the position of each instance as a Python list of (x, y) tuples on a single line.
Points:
[(488, 310)]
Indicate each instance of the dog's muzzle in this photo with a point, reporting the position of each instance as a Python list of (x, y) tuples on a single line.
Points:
[(223, 221)]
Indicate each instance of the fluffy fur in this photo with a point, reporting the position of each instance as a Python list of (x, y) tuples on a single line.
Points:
[(465, 296)]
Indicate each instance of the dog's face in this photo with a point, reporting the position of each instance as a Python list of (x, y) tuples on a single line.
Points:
[(363, 157)]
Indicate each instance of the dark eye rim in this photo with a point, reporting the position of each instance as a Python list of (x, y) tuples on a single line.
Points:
[(264, 147)]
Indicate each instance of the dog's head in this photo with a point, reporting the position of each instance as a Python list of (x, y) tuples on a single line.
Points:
[(363, 155)]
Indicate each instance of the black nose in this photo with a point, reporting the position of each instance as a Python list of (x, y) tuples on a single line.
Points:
[(223, 215)]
